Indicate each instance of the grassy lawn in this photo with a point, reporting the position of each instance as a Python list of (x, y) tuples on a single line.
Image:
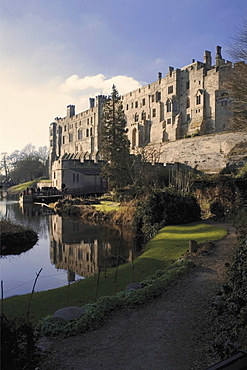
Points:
[(21, 187), (107, 206), (168, 245)]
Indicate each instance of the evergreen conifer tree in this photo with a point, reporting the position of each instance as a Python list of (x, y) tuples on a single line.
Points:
[(115, 148)]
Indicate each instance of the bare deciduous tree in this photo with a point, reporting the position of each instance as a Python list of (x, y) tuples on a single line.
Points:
[(238, 44), (236, 84)]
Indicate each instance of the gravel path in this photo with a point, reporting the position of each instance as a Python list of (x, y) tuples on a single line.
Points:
[(170, 333)]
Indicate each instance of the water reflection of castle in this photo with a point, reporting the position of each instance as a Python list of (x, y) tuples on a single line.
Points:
[(82, 247)]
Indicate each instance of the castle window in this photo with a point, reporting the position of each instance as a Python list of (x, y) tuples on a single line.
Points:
[(70, 137), (91, 131), (168, 106), (132, 105), (65, 128), (169, 121), (91, 119), (198, 99), (143, 101), (170, 89), (54, 175), (127, 106), (50, 142), (136, 104), (143, 116), (158, 96), (136, 117), (87, 132), (154, 112), (187, 85), (63, 139), (87, 121), (152, 97), (165, 136), (79, 134), (199, 82), (187, 102)]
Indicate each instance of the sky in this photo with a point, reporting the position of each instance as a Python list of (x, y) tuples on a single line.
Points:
[(60, 52)]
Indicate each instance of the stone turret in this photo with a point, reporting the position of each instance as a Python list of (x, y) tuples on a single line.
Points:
[(207, 59), (70, 111), (218, 58), (92, 102)]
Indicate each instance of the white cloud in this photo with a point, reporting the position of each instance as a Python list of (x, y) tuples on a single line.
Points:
[(99, 83), (159, 61)]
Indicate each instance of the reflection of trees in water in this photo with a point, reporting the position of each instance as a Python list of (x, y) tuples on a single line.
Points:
[(29, 215)]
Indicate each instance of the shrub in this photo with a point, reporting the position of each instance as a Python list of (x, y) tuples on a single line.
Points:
[(230, 304), (17, 344), (242, 172), (217, 208), (163, 208)]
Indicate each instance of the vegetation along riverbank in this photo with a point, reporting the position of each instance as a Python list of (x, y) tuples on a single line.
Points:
[(16, 239)]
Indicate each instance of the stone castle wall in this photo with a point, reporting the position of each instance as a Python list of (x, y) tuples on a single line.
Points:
[(186, 102)]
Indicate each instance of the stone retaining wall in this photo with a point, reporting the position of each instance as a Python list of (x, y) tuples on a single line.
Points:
[(210, 153)]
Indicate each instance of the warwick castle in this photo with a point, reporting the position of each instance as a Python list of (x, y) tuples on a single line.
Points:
[(186, 103)]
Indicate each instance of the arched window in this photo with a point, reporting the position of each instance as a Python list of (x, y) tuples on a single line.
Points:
[(199, 97), (169, 105), (144, 116), (87, 132), (136, 117), (91, 131)]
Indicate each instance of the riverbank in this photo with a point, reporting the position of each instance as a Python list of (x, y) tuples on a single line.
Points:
[(160, 253), (96, 210), (15, 238)]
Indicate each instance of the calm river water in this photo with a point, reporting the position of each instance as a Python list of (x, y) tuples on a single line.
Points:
[(67, 250)]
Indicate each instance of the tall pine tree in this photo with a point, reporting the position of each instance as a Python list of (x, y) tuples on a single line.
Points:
[(115, 148)]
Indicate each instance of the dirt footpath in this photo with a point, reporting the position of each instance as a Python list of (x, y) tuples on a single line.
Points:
[(171, 333)]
